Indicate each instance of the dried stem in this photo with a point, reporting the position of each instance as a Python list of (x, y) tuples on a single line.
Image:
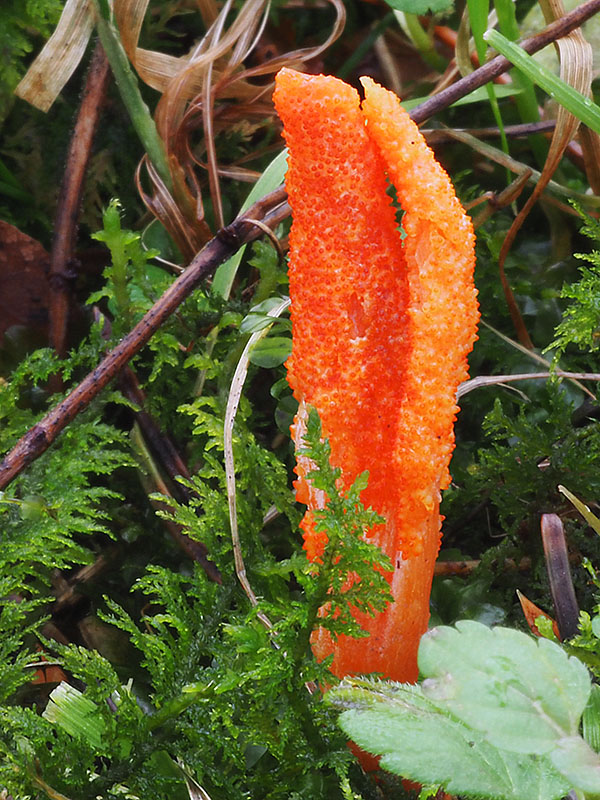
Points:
[(495, 380), (233, 401), (69, 199), (271, 210), (152, 481), (521, 130), (159, 442)]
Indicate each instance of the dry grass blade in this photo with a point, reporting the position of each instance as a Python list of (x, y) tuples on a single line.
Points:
[(533, 613), (590, 146), (576, 63), (192, 87), (464, 44), (190, 233), (464, 52), (233, 401), (59, 57), (585, 511)]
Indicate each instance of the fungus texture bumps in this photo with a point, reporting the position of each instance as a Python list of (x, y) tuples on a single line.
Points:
[(383, 319)]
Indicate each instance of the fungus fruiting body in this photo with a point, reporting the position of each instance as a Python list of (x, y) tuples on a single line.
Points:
[(383, 319)]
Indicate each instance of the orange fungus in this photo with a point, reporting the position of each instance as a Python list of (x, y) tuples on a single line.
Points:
[(382, 320)]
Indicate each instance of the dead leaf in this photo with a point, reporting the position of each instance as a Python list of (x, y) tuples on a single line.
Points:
[(24, 289)]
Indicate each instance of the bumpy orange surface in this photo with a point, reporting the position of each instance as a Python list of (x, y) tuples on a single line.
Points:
[(381, 329)]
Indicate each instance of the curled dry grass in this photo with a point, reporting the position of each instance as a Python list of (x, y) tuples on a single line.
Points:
[(204, 93)]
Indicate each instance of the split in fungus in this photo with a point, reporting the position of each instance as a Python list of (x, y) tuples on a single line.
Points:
[(382, 320)]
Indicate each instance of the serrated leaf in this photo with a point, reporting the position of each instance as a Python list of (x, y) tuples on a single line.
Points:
[(418, 741), (523, 694), (271, 352)]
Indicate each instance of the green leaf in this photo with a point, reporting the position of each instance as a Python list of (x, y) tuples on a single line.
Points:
[(258, 322), (523, 694), (271, 352), (480, 95), (420, 6), (497, 716), (420, 742), (271, 178), (591, 519), (75, 713), (582, 107), (478, 17), (258, 317), (591, 720)]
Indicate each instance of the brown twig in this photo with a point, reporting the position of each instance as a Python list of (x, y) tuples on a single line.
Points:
[(158, 441), (69, 199), (498, 65), (523, 129), (163, 448), (272, 209)]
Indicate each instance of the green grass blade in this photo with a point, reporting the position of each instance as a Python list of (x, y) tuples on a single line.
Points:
[(582, 107), (591, 519), (526, 101), (478, 19)]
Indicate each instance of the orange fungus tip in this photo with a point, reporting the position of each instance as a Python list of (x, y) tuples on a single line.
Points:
[(382, 324)]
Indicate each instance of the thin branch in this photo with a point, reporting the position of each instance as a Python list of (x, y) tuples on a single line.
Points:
[(494, 380), (498, 65), (468, 566), (532, 355), (523, 129), (272, 209), (159, 444), (69, 199)]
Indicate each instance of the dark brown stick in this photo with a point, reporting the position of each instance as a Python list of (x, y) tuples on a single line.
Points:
[(159, 442), (69, 199), (498, 65), (162, 446), (272, 209)]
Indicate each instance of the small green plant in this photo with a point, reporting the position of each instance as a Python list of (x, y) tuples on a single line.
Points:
[(581, 322), (209, 691), (21, 23), (497, 715)]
